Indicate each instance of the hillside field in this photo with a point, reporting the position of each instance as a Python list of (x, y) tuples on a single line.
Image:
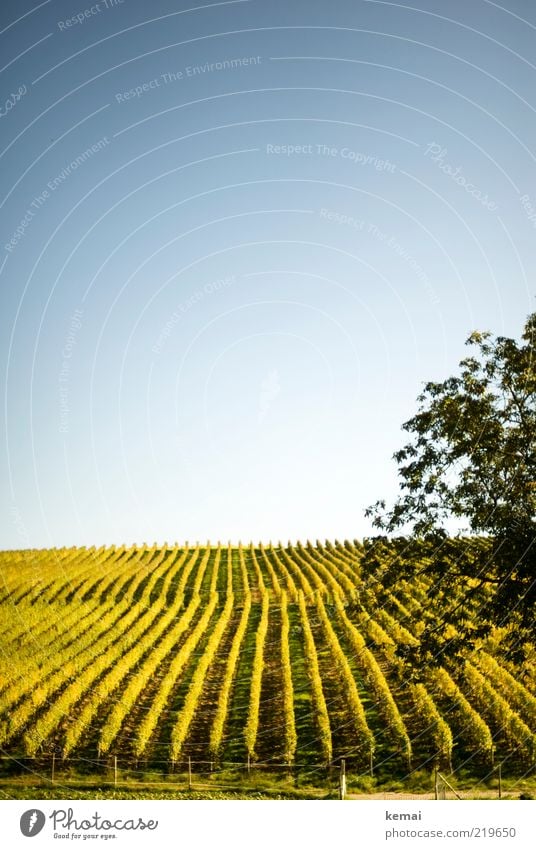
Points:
[(274, 657)]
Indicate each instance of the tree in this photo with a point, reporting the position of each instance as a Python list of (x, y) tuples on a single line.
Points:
[(472, 458)]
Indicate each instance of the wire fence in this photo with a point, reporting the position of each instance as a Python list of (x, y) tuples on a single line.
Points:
[(120, 774)]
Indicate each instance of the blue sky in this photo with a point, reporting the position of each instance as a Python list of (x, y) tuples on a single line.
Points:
[(236, 240)]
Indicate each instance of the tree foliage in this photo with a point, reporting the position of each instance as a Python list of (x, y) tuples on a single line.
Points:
[(472, 458)]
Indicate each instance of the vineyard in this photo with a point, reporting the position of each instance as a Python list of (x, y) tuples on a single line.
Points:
[(260, 655)]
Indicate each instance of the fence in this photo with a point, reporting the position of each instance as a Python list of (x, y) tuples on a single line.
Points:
[(199, 775)]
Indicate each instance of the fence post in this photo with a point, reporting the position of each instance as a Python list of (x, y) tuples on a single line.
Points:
[(436, 785), (53, 767), (189, 773), (442, 788), (342, 780), (500, 781), (115, 770)]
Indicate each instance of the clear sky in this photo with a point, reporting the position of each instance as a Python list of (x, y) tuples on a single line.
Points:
[(237, 237)]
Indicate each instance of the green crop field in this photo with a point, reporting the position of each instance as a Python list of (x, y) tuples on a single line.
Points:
[(267, 656)]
